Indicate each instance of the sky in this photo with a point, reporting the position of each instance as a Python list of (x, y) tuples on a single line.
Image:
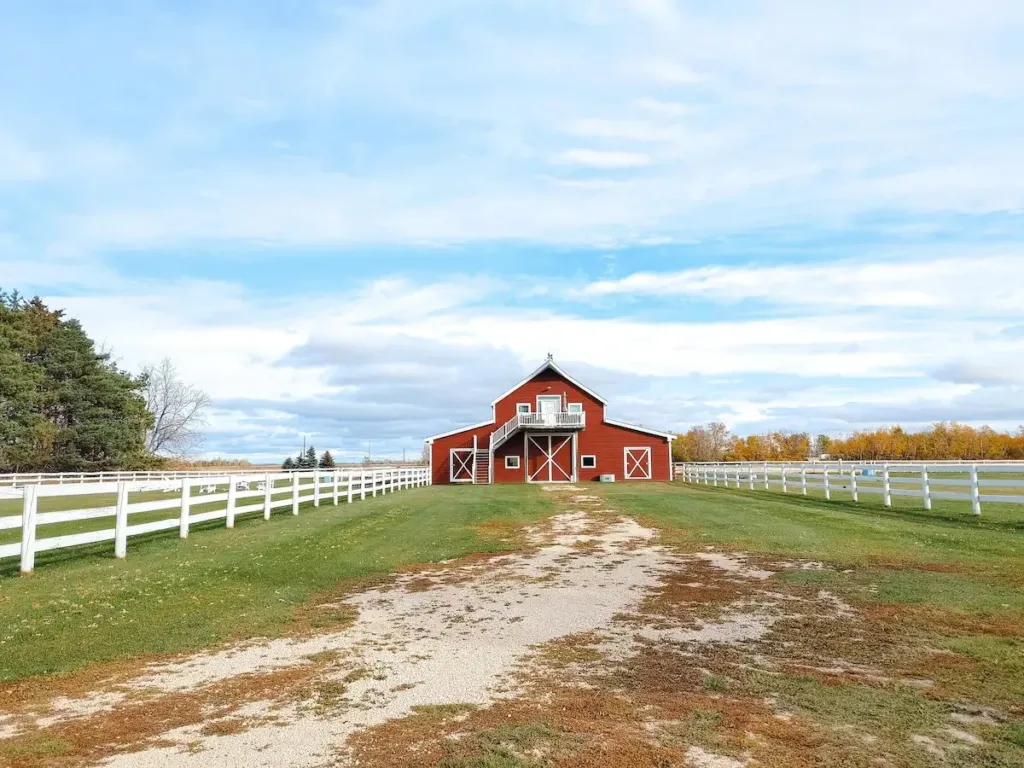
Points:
[(359, 221)]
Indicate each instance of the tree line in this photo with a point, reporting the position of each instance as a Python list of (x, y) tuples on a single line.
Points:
[(944, 440), (307, 460), (66, 406)]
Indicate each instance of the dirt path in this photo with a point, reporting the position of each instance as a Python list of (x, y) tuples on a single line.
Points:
[(438, 655)]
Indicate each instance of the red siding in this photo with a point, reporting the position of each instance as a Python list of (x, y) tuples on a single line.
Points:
[(605, 441)]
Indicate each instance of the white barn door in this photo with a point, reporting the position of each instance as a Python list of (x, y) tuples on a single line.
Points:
[(549, 458), (461, 465), (637, 463)]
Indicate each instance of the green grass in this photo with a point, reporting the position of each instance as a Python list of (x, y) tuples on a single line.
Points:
[(841, 532), (82, 605)]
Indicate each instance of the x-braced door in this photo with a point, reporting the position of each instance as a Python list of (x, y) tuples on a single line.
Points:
[(549, 458), (461, 465), (638, 463)]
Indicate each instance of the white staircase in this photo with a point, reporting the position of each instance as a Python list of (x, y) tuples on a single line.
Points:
[(482, 468)]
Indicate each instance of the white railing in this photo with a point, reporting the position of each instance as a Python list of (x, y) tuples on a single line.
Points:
[(537, 420), (974, 482), (240, 494), (60, 478)]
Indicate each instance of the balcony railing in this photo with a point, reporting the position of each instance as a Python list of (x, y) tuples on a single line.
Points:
[(547, 420)]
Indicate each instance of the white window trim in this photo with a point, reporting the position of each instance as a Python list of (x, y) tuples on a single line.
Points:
[(517, 465), (521, 406), (583, 461), (574, 408)]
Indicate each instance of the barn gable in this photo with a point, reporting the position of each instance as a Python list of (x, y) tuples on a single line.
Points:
[(549, 427)]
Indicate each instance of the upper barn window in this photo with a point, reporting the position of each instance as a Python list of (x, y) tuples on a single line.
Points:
[(575, 407), (522, 407)]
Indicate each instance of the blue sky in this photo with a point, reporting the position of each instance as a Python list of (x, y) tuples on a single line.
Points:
[(361, 220)]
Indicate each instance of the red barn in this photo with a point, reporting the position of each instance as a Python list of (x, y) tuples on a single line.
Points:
[(549, 428)]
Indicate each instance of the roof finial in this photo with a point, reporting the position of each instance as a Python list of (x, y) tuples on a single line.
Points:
[(551, 358)]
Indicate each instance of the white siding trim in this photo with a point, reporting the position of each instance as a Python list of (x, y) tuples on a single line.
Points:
[(460, 429), (551, 364), (668, 436)]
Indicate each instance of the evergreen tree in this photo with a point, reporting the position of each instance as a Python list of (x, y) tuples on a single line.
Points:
[(327, 461), (309, 460), (289, 463), (64, 406)]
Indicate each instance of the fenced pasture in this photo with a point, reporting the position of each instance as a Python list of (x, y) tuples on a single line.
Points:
[(43, 516), (974, 483)]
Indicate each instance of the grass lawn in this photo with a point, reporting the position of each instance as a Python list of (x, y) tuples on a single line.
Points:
[(82, 605)]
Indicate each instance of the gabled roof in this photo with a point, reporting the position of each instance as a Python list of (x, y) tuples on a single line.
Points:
[(460, 429), (667, 435), (550, 364)]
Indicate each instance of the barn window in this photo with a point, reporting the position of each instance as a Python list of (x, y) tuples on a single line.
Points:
[(588, 462), (575, 407), (522, 407), (511, 462)]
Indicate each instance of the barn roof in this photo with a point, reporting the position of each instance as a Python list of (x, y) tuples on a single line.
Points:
[(550, 364)]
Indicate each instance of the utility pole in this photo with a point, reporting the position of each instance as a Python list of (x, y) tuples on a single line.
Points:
[(369, 451)]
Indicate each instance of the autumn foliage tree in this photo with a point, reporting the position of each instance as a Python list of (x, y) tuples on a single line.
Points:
[(941, 441)]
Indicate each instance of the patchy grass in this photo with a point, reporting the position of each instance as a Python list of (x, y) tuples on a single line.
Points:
[(258, 579), (841, 532)]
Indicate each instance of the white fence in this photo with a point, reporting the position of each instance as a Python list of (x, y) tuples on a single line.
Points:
[(60, 478), (974, 482), (244, 494)]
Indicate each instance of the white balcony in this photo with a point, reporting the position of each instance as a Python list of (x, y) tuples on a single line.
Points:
[(544, 420)]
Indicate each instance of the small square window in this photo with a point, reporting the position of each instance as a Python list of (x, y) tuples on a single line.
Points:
[(511, 462), (588, 462), (575, 407), (522, 407)]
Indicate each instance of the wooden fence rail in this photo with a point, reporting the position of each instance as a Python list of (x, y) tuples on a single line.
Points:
[(974, 482), (240, 494)]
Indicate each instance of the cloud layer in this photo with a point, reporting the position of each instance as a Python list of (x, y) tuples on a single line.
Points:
[(361, 221)]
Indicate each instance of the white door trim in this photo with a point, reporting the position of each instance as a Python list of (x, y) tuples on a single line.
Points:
[(460, 459), (549, 453), (633, 463), (548, 417)]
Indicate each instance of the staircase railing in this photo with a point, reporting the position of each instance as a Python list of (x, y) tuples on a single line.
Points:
[(559, 419)]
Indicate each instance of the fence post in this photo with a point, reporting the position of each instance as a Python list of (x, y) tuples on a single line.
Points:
[(926, 488), (785, 488), (186, 503), (295, 493), (853, 482), (351, 481), (362, 484), (716, 475), (229, 513), (334, 486), (121, 521), (267, 493), (886, 486), (29, 508), (766, 476), (828, 490), (975, 491), (374, 475), (803, 480), (316, 488)]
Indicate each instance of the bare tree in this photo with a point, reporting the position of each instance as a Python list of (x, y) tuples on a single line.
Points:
[(179, 411)]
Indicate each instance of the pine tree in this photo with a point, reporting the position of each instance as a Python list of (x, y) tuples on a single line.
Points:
[(327, 461), (308, 460), (289, 463)]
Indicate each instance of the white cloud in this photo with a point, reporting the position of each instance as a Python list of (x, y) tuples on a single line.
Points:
[(971, 285), (596, 158)]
